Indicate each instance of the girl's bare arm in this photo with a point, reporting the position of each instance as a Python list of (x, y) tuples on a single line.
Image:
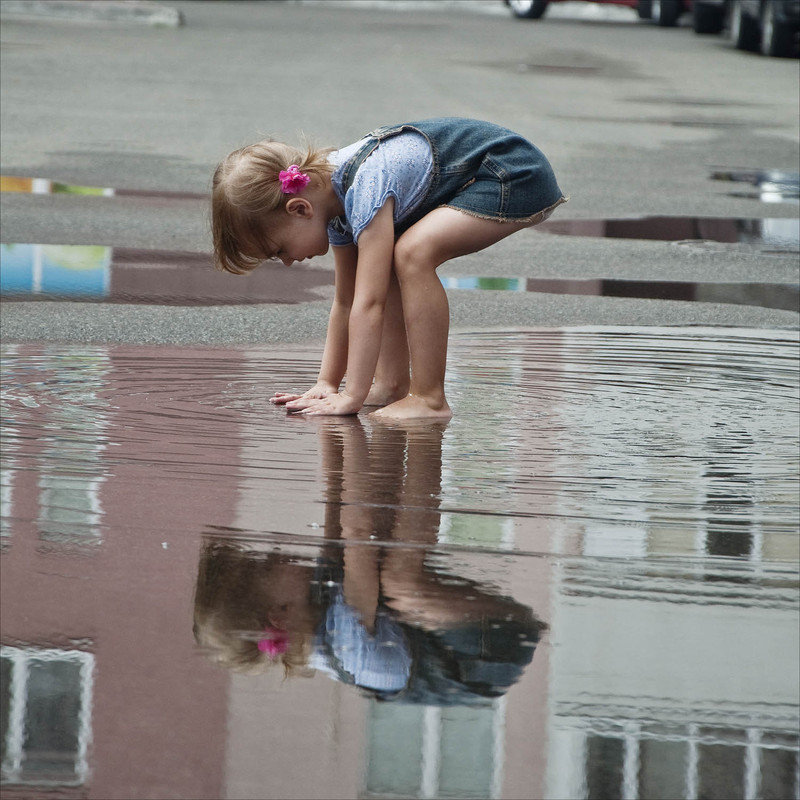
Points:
[(375, 255), (334, 356)]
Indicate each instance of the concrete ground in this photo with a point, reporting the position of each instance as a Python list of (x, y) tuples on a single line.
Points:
[(634, 118)]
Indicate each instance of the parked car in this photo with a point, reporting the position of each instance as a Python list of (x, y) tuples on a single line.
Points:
[(663, 12), (771, 26), (708, 16), (534, 9)]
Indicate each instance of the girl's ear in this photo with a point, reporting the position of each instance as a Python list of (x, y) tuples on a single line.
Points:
[(299, 207)]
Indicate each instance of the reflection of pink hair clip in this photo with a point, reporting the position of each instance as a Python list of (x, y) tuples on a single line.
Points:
[(292, 180), (274, 643)]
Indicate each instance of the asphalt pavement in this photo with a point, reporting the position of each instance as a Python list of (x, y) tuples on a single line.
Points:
[(635, 119)]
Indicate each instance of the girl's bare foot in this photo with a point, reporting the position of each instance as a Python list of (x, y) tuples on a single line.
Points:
[(384, 395), (414, 407)]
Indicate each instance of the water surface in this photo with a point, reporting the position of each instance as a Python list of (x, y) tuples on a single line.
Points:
[(94, 273), (769, 235), (585, 585)]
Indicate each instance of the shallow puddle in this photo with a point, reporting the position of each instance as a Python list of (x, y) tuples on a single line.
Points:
[(585, 585), (767, 295), (771, 186), (23, 185), (89, 273), (164, 277), (771, 234)]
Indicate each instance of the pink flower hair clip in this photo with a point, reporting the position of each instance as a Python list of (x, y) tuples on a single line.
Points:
[(292, 180), (275, 642)]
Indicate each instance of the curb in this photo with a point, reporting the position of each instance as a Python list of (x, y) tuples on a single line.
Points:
[(139, 12)]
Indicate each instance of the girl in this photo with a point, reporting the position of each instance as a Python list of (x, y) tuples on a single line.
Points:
[(395, 205)]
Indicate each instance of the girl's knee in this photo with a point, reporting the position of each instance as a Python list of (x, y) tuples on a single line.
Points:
[(413, 255)]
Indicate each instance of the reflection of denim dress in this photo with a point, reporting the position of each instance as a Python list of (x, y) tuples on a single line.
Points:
[(379, 661), (478, 167)]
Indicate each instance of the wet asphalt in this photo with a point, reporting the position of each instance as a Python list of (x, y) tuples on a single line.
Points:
[(635, 120)]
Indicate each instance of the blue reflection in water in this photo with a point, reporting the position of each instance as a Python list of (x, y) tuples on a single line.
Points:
[(71, 270), (496, 284)]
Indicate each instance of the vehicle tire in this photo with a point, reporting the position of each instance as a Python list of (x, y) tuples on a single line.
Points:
[(528, 9), (665, 12), (744, 30), (644, 8), (708, 19), (776, 39)]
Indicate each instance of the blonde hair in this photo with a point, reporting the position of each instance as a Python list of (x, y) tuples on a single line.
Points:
[(246, 190), (229, 618)]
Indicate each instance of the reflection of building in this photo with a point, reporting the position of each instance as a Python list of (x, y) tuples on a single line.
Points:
[(47, 696), (676, 644), (671, 659), (101, 693), (660, 696)]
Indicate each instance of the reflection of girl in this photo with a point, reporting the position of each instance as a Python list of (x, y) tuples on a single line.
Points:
[(373, 611), (254, 608)]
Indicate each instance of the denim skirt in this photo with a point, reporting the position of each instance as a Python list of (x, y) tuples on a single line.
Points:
[(479, 168)]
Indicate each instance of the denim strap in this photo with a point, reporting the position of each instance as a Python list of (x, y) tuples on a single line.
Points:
[(373, 139)]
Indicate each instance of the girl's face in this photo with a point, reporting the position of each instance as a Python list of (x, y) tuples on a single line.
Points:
[(299, 233), (286, 594)]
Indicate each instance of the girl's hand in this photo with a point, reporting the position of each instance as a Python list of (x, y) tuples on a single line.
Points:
[(316, 392), (332, 405)]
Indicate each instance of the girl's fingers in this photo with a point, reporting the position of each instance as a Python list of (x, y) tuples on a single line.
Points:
[(312, 409), (325, 408), (279, 398), (300, 403)]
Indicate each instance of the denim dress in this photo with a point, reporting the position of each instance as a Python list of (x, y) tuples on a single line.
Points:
[(479, 168)]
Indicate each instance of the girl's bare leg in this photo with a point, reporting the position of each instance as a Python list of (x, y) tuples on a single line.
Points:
[(443, 234), (392, 379)]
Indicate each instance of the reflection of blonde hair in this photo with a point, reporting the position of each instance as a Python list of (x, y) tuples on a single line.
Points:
[(245, 190), (230, 612)]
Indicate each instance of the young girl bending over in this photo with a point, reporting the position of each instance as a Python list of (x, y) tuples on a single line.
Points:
[(395, 205)]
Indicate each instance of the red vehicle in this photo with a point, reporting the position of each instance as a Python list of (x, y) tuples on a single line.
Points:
[(662, 12)]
